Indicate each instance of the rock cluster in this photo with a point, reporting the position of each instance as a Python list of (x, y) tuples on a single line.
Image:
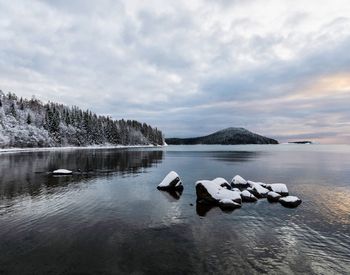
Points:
[(230, 196)]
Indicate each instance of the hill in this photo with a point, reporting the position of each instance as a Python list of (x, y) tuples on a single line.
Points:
[(31, 123), (227, 136)]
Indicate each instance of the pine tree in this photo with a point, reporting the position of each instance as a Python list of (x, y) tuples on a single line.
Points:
[(29, 119), (13, 109)]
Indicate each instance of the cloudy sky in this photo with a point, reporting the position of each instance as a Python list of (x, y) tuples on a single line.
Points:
[(279, 68)]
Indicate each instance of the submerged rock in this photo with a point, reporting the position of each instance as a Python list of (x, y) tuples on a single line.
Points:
[(273, 196), (239, 182), (247, 196), (290, 201), (172, 181), (279, 188), (211, 192), (62, 172)]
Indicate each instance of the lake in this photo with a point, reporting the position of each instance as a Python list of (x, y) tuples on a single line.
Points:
[(111, 219)]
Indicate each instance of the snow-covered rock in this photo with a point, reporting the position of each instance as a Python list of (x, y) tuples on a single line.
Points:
[(222, 182), (62, 172), (247, 196), (228, 204), (239, 182), (273, 196), (290, 201), (211, 192), (171, 181), (279, 188), (257, 189)]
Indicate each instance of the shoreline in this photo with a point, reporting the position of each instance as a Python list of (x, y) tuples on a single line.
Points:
[(63, 148)]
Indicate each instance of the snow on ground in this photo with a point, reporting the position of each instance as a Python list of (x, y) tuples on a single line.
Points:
[(15, 150)]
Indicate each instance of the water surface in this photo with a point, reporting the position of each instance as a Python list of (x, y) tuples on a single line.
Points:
[(111, 219)]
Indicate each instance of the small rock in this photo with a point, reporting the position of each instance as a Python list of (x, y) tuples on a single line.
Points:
[(290, 201), (228, 204), (257, 189), (273, 196), (239, 182), (279, 188), (247, 196), (62, 172), (171, 181)]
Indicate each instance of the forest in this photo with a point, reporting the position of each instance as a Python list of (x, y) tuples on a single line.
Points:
[(32, 123)]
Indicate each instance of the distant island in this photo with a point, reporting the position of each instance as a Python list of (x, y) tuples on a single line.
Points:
[(30, 123), (301, 142), (227, 136)]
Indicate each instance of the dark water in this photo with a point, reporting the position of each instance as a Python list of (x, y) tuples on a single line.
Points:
[(111, 219)]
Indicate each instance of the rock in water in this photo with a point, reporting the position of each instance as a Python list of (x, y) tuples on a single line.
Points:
[(290, 201), (279, 188), (62, 172), (172, 181), (222, 182), (273, 196), (257, 189), (247, 196), (228, 204), (239, 182), (211, 192)]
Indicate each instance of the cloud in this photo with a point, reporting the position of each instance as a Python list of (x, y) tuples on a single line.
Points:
[(276, 67)]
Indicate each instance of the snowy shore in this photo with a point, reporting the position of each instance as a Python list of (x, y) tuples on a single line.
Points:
[(43, 149)]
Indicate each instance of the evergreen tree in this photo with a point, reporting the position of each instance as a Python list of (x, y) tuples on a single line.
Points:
[(13, 109), (29, 119)]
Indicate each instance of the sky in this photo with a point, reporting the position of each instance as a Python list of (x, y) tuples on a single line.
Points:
[(278, 68)]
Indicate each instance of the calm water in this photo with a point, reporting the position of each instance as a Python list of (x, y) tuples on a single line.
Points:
[(111, 219)]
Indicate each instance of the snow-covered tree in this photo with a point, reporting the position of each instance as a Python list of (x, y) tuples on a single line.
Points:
[(31, 123)]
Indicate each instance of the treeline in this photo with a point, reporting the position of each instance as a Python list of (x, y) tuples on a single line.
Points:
[(31, 123)]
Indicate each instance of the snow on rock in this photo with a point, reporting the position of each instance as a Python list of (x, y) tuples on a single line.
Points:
[(171, 181), (211, 192), (290, 201), (257, 189), (228, 204), (62, 172), (222, 182), (273, 196), (279, 188), (238, 181), (247, 196)]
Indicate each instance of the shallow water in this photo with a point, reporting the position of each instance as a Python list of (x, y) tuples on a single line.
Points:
[(111, 219)]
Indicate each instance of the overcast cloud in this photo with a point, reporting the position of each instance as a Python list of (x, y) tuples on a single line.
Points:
[(279, 68)]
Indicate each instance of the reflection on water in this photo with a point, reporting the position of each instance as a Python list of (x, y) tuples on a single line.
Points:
[(172, 194), (23, 173), (111, 219)]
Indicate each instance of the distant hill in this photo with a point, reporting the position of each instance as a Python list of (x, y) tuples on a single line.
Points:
[(227, 136), (32, 123), (301, 142)]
